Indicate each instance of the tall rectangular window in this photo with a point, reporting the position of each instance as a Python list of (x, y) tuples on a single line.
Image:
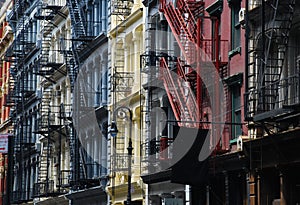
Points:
[(236, 128), (235, 24)]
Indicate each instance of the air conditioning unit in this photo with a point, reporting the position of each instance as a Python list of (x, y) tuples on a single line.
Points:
[(161, 16), (242, 16), (240, 140)]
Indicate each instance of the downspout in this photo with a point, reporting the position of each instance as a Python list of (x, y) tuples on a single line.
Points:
[(187, 195), (207, 195), (258, 190), (282, 199), (247, 30), (248, 188), (226, 188)]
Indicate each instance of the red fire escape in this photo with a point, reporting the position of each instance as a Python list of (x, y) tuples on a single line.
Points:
[(185, 88)]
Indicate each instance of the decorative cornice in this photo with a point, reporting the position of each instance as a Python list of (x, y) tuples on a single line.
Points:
[(128, 21), (216, 8), (234, 80), (6, 39)]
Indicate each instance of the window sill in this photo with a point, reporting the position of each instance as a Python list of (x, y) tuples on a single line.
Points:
[(235, 51)]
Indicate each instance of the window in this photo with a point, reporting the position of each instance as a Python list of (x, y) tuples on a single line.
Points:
[(234, 82), (236, 128), (235, 25)]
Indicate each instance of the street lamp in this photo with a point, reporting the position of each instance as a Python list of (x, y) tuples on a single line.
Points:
[(122, 112)]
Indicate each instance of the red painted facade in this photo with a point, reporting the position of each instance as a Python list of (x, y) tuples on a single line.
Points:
[(212, 28), (6, 37)]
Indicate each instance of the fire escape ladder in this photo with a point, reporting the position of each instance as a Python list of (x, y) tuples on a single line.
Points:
[(44, 110), (277, 34), (43, 187), (11, 96), (180, 94), (75, 158), (71, 65), (45, 69), (69, 130), (183, 21), (76, 19), (122, 79), (47, 66), (79, 41), (74, 147)]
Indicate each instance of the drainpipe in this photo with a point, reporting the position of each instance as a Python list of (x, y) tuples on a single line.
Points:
[(187, 195), (282, 199), (248, 188), (226, 189), (147, 194), (207, 195), (258, 190)]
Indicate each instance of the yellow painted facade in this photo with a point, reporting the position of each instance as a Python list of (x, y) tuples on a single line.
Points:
[(127, 44)]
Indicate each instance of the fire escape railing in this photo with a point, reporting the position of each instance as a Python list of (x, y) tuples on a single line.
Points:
[(181, 95), (185, 20), (265, 64)]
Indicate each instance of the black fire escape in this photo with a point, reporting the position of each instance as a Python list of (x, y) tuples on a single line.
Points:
[(268, 99), (21, 94), (46, 68), (81, 37)]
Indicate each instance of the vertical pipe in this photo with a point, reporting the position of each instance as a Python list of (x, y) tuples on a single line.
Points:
[(2, 178), (146, 194), (263, 60), (198, 71), (59, 168), (258, 190), (129, 149), (247, 30), (282, 198), (103, 15), (10, 161), (217, 102), (248, 189), (226, 188), (187, 195), (207, 195)]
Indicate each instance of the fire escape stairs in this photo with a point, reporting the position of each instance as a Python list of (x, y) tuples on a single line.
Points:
[(76, 19), (180, 94), (183, 20), (44, 187), (266, 86), (183, 23), (47, 66), (79, 41)]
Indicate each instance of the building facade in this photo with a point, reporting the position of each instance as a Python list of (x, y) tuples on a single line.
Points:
[(272, 99), (6, 37), (187, 51), (154, 102), (50, 155), (126, 43)]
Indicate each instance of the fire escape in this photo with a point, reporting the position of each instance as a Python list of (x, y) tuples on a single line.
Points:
[(80, 40), (121, 81), (266, 56), (183, 83), (46, 68), (185, 89), (21, 93)]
